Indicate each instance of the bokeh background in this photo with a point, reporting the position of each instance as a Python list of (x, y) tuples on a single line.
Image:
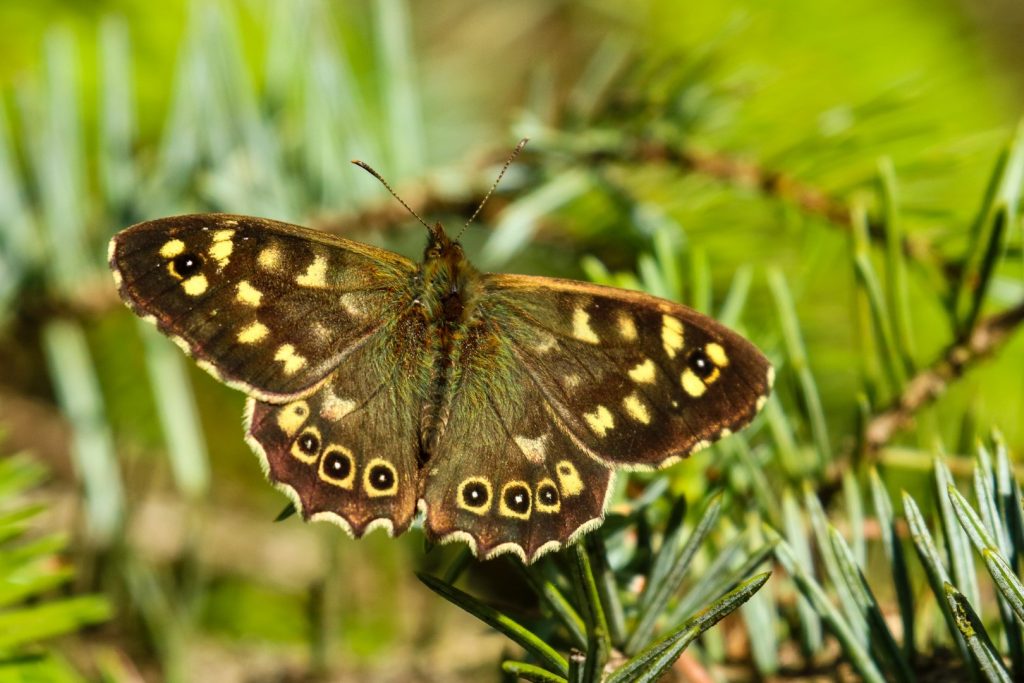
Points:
[(748, 158)]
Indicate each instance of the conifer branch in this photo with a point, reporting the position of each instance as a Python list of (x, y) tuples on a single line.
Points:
[(986, 338)]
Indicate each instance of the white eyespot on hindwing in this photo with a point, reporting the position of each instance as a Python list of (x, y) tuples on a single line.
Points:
[(307, 447), (380, 478), (547, 496), (516, 500), (475, 495), (338, 466)]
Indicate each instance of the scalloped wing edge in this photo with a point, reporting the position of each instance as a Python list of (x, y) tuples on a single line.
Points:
[(421, 505)]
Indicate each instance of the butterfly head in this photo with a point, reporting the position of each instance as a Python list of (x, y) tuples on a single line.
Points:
[(441, 246)]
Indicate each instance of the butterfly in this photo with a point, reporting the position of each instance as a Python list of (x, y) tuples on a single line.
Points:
[(497, 406)]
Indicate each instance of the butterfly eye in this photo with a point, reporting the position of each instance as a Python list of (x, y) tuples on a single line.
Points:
[(700, 364), (186, 265)]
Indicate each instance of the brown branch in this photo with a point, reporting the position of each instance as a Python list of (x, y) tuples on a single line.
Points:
[(748, 175), (925, 387), (988, 336)]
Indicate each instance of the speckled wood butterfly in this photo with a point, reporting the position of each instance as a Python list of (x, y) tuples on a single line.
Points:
[(500, 406)]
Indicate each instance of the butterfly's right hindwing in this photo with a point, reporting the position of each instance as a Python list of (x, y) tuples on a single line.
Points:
[(267, 307)]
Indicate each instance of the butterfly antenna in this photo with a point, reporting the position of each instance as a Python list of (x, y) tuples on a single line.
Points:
[(369, 169), (508, 162)]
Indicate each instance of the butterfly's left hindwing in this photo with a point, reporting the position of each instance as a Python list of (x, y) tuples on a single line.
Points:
[(267, 307), (347, 453)]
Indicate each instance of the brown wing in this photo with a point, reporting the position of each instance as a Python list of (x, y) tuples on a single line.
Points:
[(347, 453), (503, 476), (553, 385), (267, 307), (636, 380)]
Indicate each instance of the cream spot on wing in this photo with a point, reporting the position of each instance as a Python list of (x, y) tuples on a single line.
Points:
[(571, 381), (172, 248), (699, 446), (692, 384), (627, 326), (636, 409), (335, 408), (315, 275), (248, 295), (771, 376), (671, 335), (724, 433), (117, 278), (269, 258), (581, 327), (293, 362), (533, 449), (222, 246), (568, 479), (292, 416), (761, 401), (717, 354), (350, 302), (319, 330), (545, 342), (600, 421), (643, 373), (253, 333), (195, 285)]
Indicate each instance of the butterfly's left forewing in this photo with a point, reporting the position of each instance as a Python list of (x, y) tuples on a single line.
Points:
[(267, 307)]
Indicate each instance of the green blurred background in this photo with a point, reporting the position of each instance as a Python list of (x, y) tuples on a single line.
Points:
[(120, 111)]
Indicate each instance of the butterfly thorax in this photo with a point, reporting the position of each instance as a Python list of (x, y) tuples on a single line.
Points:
[(447, 279)]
